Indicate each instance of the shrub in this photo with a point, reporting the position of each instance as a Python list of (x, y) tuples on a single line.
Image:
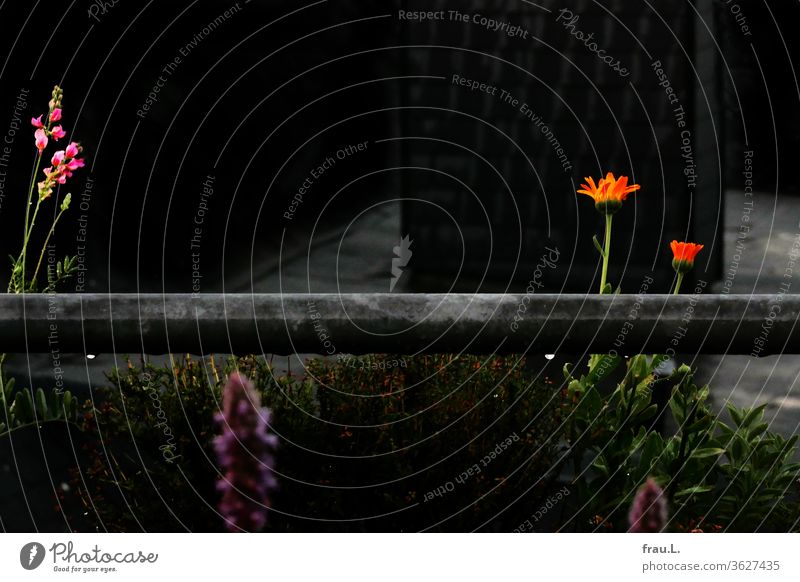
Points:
[(715, 477), (449, 443)]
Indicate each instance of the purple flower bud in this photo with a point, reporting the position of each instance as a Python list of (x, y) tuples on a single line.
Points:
[(649, 509), (244, 450)]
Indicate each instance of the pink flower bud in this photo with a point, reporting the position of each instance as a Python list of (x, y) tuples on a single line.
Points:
[(62, 179), (58, 158), (37, 122), (41, 139), (44, 190), (58, 132), (72, 150), (55, 115)]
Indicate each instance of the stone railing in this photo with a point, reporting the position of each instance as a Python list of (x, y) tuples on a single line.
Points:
[(389, 323)]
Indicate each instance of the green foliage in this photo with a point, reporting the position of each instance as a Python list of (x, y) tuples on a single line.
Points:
[(363, 446), (758, 470), (448, 443), (716, 477), (26, 407)]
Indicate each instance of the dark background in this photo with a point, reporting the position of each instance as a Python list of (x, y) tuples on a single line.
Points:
[(270, 94)]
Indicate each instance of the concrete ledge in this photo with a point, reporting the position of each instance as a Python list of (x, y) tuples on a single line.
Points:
[(378, 323)]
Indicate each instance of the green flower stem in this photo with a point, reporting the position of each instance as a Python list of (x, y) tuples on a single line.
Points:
[(606, 253), (46, 241), (24, 254), (3, 405), (678, 283)]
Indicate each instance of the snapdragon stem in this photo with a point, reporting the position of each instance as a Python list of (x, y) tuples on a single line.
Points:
[(24, 254), (44, 247), (3, 403), (25, 243), (606, 252)]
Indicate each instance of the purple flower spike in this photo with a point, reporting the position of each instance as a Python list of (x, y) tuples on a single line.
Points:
[(244, 450), (649, 509)]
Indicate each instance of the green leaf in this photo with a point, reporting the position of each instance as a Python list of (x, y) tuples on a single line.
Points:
[(653, 447), (647, 413), (592, 402), (678, 412), (598, 246), (758, 429), (23, 407), (638, 440), (756, 413), (645, 385), (726, 430), (638, 370), (9, 385), (41, 404), (670, 452), (736, 414), (567, 371), (600, 465), (604, 365), (707, 452), (657, 360), (68, 405), (737, 448), (694, 490), (703, 423)]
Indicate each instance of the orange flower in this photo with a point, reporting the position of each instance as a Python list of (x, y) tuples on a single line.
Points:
[(609, 193), (684, 254)]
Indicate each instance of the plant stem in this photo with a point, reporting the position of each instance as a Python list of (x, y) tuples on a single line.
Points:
[(678, 283), (629, 378), (607, 251), (684, 438), (24, 254), (44, 246), (25, 244), (3, 389)]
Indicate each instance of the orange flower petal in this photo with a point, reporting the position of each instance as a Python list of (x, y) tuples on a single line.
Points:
[(609, 190)]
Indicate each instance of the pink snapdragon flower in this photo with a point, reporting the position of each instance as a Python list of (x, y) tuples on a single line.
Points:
[(41, 140), (64, 162), (74, 164)]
